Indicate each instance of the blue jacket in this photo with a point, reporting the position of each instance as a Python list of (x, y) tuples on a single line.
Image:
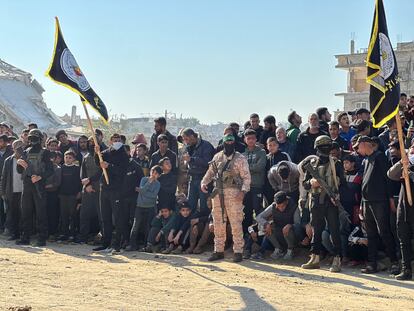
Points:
[(148, 193), (200, 155)]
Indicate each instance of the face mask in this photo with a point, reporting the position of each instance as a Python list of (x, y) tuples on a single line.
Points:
[(411, 158), (284, 174), (117, 145), (228, 149), (324, 150), (34, 141)]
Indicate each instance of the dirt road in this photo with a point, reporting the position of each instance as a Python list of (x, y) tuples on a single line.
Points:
[(71, 277)]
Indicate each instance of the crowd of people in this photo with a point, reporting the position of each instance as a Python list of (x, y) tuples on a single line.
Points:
[(335, 188)]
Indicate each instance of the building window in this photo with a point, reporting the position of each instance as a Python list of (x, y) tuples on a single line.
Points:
[(361, 105)]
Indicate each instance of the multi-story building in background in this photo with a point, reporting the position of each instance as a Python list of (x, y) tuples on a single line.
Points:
[(357, 91)]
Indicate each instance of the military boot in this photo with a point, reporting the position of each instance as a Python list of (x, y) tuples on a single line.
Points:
[(237, 257), (406, 274), (216, 256), (313, 262), (336, 264)]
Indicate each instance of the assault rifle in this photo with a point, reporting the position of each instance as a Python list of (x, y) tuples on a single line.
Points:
[(218, 186)]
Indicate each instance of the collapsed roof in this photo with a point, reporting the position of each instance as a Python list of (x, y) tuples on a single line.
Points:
[(21, 100)]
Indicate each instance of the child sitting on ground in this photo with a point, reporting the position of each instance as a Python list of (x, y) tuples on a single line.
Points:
[(178, 237), (160, 227)]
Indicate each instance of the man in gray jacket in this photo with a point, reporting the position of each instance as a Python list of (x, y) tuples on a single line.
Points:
[(11, 186), (256, 158), (284, 176)]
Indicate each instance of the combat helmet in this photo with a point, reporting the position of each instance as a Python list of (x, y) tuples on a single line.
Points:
[(323, 140)]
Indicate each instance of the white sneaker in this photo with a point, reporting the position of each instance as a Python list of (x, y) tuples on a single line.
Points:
[(108, 250), (277, 254), (115, 252), (288, 255)]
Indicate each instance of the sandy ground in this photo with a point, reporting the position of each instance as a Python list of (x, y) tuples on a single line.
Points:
[(71, 277)]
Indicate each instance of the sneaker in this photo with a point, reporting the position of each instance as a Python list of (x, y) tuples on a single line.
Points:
[(108, 250), (313, 263), (115, 251), (257, 256), (62, 238), (178, 250), (146, 249), (13, 238), (168, 250), (247, 254), (40, 243), (156, 249), (336, 264), (131, 248), (99, 248), (289, 255), (23, 242), (51, 238), (405, 274), (216, 256), (197, 250), (395, 268), (278, 254), (79, 241), (369, 269)]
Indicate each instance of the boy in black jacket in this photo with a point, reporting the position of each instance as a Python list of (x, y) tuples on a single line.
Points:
[(160, 227), (69, 193), (168, 181), (178, 236)]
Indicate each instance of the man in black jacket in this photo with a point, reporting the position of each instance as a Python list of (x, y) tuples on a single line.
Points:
[(35, 166), (199, 154), (160, 125), (405, 218), (306, 139), (90, 174), (5, 152), (377, 200), (133, 176), (115, 161), (11, 186), (324, 118), (269, 130), (162, 152)]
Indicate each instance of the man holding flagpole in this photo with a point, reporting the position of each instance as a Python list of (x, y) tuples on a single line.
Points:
[(382, 75)]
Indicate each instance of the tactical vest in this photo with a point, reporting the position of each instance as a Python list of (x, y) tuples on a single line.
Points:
[(36, 165), (231, 179), (327, 173), (90, 165)]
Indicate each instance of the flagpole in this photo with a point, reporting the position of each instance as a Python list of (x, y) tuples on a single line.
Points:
[(95, 141), (404, 159)]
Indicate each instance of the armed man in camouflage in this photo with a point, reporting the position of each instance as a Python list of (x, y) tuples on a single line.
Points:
[(230, 172), (323, 208)]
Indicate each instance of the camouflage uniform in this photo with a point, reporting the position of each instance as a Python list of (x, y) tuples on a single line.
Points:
[(236, 178)]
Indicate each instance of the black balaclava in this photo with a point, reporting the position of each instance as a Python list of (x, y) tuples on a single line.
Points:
[(323, 153), (228, 149)]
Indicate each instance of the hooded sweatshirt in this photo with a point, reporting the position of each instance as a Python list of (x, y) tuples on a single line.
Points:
[(257, 163)]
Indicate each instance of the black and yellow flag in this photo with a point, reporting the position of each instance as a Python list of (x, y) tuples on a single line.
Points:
[(382, 71), (65, 71)]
